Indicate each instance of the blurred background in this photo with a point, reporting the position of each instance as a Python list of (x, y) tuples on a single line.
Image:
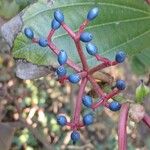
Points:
[(28, 108)]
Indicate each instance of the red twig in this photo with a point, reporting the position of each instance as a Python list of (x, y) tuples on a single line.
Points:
[(96, 87), (105, 98), (81, 54), (76, 115), (69, 31), (146, 120), (122, 135), (69, 62), (102, 66)]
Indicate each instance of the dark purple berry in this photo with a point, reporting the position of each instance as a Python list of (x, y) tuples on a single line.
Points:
[(43, 42), (29, 33), (88, 119), (87, 101), (61, 71), (114, 106), (93, 13), (120, 84), (91, 49), (61, 120), (74, 78), (120, 56), (59, 16), (86, 37), (75, 136), (62, 57), (55, 24)]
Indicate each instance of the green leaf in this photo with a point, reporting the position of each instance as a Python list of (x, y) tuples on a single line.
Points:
[(141, 62), (120, 25), (141, 91)]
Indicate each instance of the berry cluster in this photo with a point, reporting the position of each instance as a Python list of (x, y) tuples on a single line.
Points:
[(83, 74)]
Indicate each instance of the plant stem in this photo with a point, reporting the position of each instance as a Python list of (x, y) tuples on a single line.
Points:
[(51, 33), (146, 120), (68, 30), (81, 55), (105, 98), (102, 66), (122, 135), (69, 62), (103, 59), (76, 115), (96, 87), (83, 26)]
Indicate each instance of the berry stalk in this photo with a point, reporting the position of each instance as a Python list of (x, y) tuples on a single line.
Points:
[(122, 135), (104, 99), (81, 55), (69, 62), (146, 120), (76, 115)]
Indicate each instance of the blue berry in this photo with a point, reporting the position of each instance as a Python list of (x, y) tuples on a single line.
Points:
[(61, 71), (92, 14), (55, 24), (86, 37), (120, 84), (75, 136), (29, 33), (43, 42), (120, 56), (88, 119), (61, 120), (58, 15), (91, 49), (62, 57), (114, 106), (87, 101), (74, 78)]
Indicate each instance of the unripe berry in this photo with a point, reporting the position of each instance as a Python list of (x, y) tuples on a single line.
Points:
[(87, 101), (114, 106), (61, 120), (93, 13), (120, 84), (75, 136), (74, 78), (55, 24), (88, 119), (43, 42), (120, 57), (61, 71), (91, 49), (86, 37), (29, 33), (59, 16), (62, 57)]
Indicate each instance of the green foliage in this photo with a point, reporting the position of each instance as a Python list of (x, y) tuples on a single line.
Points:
[(10, 8), (120, 25), (141, 91)]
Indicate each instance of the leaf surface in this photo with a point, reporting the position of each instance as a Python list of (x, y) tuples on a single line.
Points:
[(120, 25)]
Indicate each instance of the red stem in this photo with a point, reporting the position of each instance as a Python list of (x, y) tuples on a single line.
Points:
[(122, 134), (68, 30), (102, 66), (103, 59), (104, 99), (69, 62), (83, 26), (96, 87), (76, 115), (81, 55), (146, 120), (51, 33)]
